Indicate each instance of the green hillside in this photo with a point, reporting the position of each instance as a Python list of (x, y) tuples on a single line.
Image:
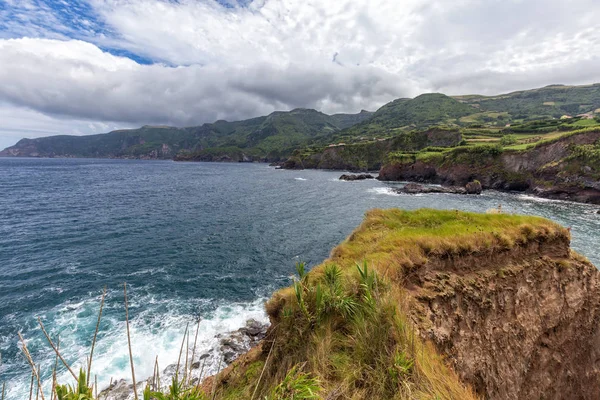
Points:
[(263, 138), (548, 102), (527, 114), (408, 114)]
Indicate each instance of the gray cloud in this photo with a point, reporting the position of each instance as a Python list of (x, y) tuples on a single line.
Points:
[(239, 62)]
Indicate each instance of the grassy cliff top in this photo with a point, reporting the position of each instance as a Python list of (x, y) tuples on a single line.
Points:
[(342, 330), (398, 238)]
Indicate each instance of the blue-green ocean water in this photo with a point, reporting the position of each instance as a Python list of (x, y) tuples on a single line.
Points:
[(191, 239)]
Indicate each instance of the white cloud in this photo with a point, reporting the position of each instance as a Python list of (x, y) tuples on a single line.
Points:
[(336, 55)]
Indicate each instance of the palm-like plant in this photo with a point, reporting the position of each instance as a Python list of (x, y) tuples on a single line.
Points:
[(177, 391), (81, 391)]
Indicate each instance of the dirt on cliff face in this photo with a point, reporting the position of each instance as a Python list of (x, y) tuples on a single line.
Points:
[(544, 170), (518, 325)]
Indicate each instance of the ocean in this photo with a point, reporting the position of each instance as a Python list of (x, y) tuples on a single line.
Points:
[(208, 241)]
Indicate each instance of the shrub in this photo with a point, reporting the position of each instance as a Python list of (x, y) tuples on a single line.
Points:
[(296, 385), (507, 140)]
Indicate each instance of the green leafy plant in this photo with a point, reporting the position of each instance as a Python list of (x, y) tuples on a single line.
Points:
[(177, 391), (507, 140), (81, 391), (296, 385)]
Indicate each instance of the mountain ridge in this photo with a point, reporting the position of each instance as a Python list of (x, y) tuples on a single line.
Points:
[(276, 136)]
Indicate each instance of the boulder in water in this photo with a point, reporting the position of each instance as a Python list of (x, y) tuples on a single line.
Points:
[(474, 187), (356, 177)]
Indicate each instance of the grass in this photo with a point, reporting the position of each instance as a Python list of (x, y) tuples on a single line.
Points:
[(394, 241), (345, 324), (341, 331), (586, 123)]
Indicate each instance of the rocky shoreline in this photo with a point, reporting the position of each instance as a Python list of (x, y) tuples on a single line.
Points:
[(415, 188), (230, 346)]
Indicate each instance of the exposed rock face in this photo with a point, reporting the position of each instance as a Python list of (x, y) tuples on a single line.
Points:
[(523, 324), (356, 177), (237, 343), (544, 170)]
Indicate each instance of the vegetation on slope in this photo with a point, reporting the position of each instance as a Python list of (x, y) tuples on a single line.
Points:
[(551, 101), (342, 330), (519, 118), (263, 138), (369, 155), (408, 114), (528, 116), (345, 324)]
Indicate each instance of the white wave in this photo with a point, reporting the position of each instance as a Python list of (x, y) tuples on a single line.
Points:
[(300, 179), (537, 199), (383, 190), (154, 336)]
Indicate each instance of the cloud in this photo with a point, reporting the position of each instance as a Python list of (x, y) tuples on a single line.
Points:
[(77, 79), (242, 59)]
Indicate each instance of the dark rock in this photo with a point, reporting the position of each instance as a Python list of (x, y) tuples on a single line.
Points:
[(170, 370), (415, 188), (356, 177), (293, 163), (474, 187), (239, 342), (254, 328), (231, 346), (118, 390)]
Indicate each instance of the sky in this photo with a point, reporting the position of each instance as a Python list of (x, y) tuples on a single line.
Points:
[(91, 66)]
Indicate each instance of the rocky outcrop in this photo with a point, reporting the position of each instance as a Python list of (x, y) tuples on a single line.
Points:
[(230, 346), (546, 170), (415, 188), (474, 187), (356, 177), (234, 344), (520, 324), (500, 298)]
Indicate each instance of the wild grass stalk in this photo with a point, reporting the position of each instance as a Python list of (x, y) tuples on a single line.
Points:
[(53, 390), (181, 351), (214, 387), (263, 369), (157, 385), (135, 395), (201, 373), (37, 391), (187, 352), (95, 335), (56, 349), (31, 364), (31, 387), (194, 348)]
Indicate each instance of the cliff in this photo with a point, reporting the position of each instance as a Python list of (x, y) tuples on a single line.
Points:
[(566, 167), (369, 156), (442, 304)]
